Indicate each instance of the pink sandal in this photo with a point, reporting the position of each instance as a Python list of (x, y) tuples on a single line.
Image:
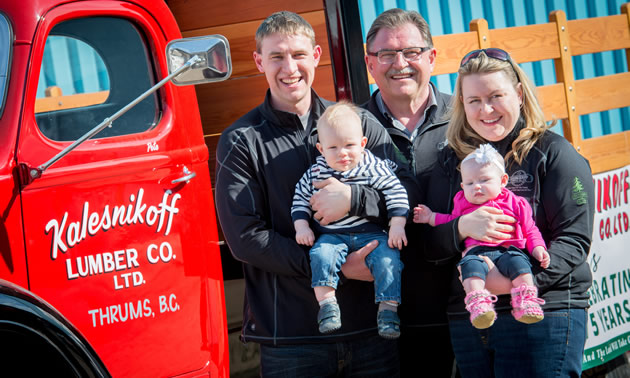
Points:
[(480, 305), (526, 304)]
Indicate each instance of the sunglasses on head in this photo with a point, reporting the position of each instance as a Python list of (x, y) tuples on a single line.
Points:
[(493, 53)]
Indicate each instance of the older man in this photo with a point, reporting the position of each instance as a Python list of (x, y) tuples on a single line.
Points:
[(400, 57)]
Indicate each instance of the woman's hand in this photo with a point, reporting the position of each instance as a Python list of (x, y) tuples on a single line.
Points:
[(486, 224), (355, 268)]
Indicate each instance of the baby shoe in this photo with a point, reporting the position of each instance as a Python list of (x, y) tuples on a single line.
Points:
[(480, 305), (388, 324), (526, 304), (329, 317)]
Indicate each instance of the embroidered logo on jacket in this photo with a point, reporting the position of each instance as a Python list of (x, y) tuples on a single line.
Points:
[(521, 183), (578, 193)]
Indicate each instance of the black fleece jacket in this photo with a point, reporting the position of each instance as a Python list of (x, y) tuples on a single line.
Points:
[(558, 184), (425, 279), (260, 158)]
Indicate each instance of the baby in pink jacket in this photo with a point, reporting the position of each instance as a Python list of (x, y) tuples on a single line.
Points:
[(483, 184)]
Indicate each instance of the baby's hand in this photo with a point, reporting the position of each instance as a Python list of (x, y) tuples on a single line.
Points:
[(541, 254), (305, 236), (397, 237), (422, 214)]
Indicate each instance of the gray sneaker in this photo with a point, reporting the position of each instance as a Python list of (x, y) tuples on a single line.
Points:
[(388, 324), (329, 317)]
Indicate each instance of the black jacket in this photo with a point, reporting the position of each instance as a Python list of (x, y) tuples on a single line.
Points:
[(558, 184), (425, 279), (260, 158)]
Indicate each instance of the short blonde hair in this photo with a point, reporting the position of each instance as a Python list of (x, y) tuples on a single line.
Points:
[(464, 140), (286, 23), (343, 114)]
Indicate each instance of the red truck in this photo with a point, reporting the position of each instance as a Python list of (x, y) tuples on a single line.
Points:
[(109, 256)]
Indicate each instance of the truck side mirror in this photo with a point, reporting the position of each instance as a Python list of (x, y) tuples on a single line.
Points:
[(214, 65), (194, 60)]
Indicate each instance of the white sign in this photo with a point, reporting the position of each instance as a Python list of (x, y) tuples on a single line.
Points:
[(608, 324)]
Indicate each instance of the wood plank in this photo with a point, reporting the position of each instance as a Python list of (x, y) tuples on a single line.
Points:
[(552, 101), (243, 44), (607, 152), (602, 93), (527, 43), (47, 104), (451, 48), (480, 27), (197, 14), (591, 35), (564, 74), (222, 103)]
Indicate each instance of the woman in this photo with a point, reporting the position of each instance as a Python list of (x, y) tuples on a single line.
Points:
[(494, 102)]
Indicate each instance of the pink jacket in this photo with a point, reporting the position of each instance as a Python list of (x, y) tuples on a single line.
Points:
[(526, 235)]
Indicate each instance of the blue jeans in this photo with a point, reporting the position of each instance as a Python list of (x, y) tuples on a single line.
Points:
[(552, 347), (511, 262), (329, 253), (371, 356)]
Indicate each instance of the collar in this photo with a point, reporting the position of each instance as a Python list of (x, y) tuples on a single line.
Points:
[(382, 107), (291, 120)]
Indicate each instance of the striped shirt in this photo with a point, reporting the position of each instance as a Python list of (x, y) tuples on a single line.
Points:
[(371, 171)]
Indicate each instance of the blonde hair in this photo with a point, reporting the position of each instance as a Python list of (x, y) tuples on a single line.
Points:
[(285, 23), (343, 114), (464, 140)]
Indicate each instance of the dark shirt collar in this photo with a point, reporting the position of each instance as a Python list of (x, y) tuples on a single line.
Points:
[(382, 107)]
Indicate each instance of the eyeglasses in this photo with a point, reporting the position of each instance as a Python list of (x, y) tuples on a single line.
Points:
[(493, 53), (389, 56)]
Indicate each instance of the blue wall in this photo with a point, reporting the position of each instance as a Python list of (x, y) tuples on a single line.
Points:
[(454, 16), (73, 66)]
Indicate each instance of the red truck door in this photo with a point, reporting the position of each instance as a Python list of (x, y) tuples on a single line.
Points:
[(120, 233)]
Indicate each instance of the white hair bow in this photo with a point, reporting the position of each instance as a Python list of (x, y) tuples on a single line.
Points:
[(485, 154)]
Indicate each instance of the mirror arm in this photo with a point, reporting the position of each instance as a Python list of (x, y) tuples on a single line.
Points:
[(37, 172)]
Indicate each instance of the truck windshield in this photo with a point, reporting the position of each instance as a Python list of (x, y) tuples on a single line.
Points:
[(5, 57)]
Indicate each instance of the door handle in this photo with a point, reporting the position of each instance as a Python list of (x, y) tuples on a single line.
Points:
[(188, 176)]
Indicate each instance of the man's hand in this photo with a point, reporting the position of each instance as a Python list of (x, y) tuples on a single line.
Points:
[(355, 268), (486, 224), (331, 202)]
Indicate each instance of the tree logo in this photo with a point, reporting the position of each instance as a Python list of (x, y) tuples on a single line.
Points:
[(579, 194)]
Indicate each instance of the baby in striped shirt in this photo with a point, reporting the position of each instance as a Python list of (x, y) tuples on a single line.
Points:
[(344, 157)]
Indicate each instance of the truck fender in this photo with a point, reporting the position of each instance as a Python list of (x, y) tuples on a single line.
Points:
[(37, 340)]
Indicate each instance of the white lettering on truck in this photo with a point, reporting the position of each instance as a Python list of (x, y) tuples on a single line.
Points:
[(122, 215)]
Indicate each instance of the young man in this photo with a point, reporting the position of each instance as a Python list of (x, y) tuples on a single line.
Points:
[(259, 160)]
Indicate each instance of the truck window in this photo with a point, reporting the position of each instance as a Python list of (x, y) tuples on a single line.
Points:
[(91, 68), (6, 43), (73, 75)]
